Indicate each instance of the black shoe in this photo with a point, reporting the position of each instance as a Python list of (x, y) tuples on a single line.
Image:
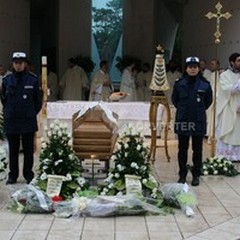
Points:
[(28, 181), (182, 180), (10, 181), (195, 181)]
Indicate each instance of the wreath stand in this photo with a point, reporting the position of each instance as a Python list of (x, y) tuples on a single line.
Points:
[(157, 98)]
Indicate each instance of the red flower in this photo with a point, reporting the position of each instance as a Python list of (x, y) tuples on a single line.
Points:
[(57, 198)]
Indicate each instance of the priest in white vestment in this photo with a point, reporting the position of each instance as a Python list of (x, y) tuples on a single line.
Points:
[(228, 111), (128, 84), (143, 81), (73, 83), (101, 86), (172, 75), (214, 67)]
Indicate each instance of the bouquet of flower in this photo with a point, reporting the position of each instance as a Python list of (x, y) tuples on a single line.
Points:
[(30, 200), (179, 195), (131, 158), (3, 162), (58, 158), (218, 166)]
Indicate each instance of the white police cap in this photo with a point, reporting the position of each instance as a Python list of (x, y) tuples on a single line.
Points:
[(19, 55), (192, 60)]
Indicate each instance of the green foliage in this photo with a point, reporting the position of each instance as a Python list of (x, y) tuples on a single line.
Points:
[(58, 158), (130, 158), (107, 27), (218, 166), (85, 62)]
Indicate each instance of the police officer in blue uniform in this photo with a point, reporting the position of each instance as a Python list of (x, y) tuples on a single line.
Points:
[(21, 97), (192, 95)]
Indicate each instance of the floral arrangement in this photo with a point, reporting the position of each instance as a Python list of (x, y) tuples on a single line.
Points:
[(218, 166), (131, 158), (58, 158), (3, 162)]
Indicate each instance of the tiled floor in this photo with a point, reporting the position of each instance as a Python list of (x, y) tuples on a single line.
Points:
[(216, 217)]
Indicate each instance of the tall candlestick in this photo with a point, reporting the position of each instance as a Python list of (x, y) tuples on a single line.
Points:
[(44, 87)]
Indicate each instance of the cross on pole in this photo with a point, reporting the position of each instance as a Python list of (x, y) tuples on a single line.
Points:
[(218, 17), (217, 35)]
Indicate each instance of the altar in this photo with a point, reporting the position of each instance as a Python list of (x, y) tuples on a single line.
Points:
[(133, 113)]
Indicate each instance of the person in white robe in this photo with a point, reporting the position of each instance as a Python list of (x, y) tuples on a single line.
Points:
[(52, 84), (228, 111), (173, 74), (128, 84), (101, 85), (73, 83), (214, 68), (143, 81), (204, 70), (3, 73)]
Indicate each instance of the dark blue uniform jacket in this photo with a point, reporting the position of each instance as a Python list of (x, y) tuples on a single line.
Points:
[(191, 97), (22, 100)]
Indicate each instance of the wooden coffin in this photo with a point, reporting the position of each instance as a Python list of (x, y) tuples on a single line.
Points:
[(94, 135)]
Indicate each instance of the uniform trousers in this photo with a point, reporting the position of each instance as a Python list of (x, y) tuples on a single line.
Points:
[(183, 144), (28, 151)]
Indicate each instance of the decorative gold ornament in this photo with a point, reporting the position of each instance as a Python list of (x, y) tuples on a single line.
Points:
[(159, 79), (218, 16), (217, 35)]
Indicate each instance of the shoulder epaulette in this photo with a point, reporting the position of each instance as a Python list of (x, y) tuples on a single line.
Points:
[(33, 74)]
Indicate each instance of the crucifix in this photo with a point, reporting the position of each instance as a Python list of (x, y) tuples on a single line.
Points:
[(218, 15)]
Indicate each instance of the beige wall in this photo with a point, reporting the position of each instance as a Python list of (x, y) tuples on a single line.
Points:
[(198, 31), (74, 33), (15, 28)]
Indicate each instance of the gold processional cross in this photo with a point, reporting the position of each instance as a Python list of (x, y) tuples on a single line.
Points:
[(218, 16), (217, 35)]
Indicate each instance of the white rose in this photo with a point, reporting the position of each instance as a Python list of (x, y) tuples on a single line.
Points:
[(117, 175), (69, 177), (225, 169), (59, 133), (103, 194), (144, 181), (215, 172), (49, 133), (70, 142), (133, 164), (139, 147), (43, 176), (126, 154), (44, 145), (126, 145), (205, 173)]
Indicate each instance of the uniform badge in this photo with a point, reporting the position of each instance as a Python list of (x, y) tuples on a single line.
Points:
[(24, 96)]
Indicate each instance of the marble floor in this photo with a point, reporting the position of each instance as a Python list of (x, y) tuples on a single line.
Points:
[(217, 215)]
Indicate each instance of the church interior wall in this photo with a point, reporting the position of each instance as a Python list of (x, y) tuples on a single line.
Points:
[(15, 28), (74, 31), (166, 28), (198, 38)]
